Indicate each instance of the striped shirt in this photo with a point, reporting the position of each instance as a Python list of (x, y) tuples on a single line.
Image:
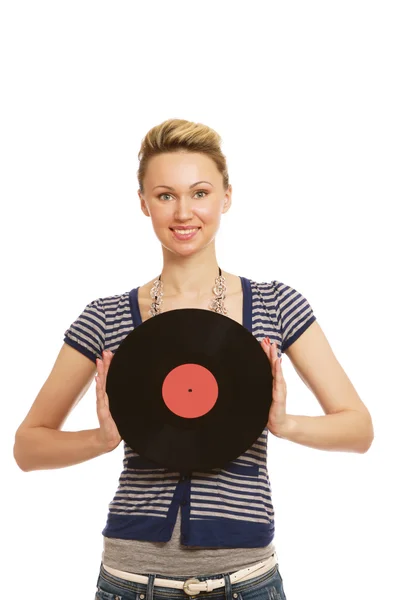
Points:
[(228, 507)]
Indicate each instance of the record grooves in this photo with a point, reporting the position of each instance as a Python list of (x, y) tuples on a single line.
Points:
[(190, 389)]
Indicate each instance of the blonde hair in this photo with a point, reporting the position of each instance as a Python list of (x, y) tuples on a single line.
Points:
[(177, 135)]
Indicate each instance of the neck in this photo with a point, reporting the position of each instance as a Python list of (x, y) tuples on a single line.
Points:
[(190, 278), (189, 283)]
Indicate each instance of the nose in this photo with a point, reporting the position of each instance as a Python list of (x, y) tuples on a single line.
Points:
[(184, 210)]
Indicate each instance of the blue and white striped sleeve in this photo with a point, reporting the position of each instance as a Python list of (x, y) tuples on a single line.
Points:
[(294, 313), (87, 333)]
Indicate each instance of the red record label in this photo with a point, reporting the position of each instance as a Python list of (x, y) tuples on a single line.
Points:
[(190, 390)]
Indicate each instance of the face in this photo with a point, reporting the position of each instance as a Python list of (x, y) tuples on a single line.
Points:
[(182, 203)]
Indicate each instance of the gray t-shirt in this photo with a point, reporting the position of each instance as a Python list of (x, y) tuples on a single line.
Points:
[(172, 558)]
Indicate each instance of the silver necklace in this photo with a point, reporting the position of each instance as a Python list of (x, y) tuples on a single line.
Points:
[(217, 303)]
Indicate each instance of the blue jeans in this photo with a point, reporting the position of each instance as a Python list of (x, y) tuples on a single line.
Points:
[(268, 586)]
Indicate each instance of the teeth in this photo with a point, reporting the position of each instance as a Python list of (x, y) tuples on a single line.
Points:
[(184, 231)]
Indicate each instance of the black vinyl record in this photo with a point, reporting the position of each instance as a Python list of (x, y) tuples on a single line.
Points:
[(190, 389)]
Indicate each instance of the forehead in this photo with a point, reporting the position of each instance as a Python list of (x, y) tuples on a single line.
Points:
[(180, 167)]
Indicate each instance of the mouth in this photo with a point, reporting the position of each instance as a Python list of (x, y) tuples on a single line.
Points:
[(185, 234)]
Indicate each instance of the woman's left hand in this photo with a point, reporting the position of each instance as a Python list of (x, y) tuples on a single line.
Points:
[(277, 419)]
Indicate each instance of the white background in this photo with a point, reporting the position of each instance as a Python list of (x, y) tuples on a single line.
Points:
[(306, 98)]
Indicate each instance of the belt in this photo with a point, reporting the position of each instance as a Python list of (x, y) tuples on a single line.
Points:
[(193, 586)]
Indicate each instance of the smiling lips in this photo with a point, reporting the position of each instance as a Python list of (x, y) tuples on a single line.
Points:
[(185, 234)]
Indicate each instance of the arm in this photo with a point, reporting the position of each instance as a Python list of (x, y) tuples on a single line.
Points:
[(38, 448), (39, 441), (346, 431), (347, 424)]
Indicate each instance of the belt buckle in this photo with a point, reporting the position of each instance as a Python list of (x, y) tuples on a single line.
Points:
[(188, 582)]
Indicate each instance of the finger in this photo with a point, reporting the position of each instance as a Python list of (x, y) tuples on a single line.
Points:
[(102, 413), (100, 382), (275, 354), (98, 366), (105, 361), (105, 364), (276, 362), (102, 403), (105, 399), (108, 358), (273, 349), (100, 369), (266, 347), (99, 393), (278, 372)]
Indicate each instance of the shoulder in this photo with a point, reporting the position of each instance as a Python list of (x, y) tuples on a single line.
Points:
[(290, 307), (96, 324), (105, 306), (115, 303)]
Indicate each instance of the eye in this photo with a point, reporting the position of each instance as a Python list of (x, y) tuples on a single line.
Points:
[(198, 192), (202, 192)]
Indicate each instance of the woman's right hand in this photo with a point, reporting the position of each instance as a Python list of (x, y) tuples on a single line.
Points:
[(108, 433)]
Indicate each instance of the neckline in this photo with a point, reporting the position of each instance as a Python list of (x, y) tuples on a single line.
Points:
[(247, 305)]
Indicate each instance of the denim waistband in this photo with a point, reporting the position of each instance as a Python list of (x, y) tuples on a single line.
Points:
[(130, 589)]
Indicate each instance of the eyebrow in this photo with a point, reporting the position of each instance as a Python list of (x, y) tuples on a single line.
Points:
[(190, 187)]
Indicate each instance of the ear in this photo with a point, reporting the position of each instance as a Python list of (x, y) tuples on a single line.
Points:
[(227, 200), (143, 204)]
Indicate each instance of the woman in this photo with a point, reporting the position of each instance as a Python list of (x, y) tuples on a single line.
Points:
[(168, 535)]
